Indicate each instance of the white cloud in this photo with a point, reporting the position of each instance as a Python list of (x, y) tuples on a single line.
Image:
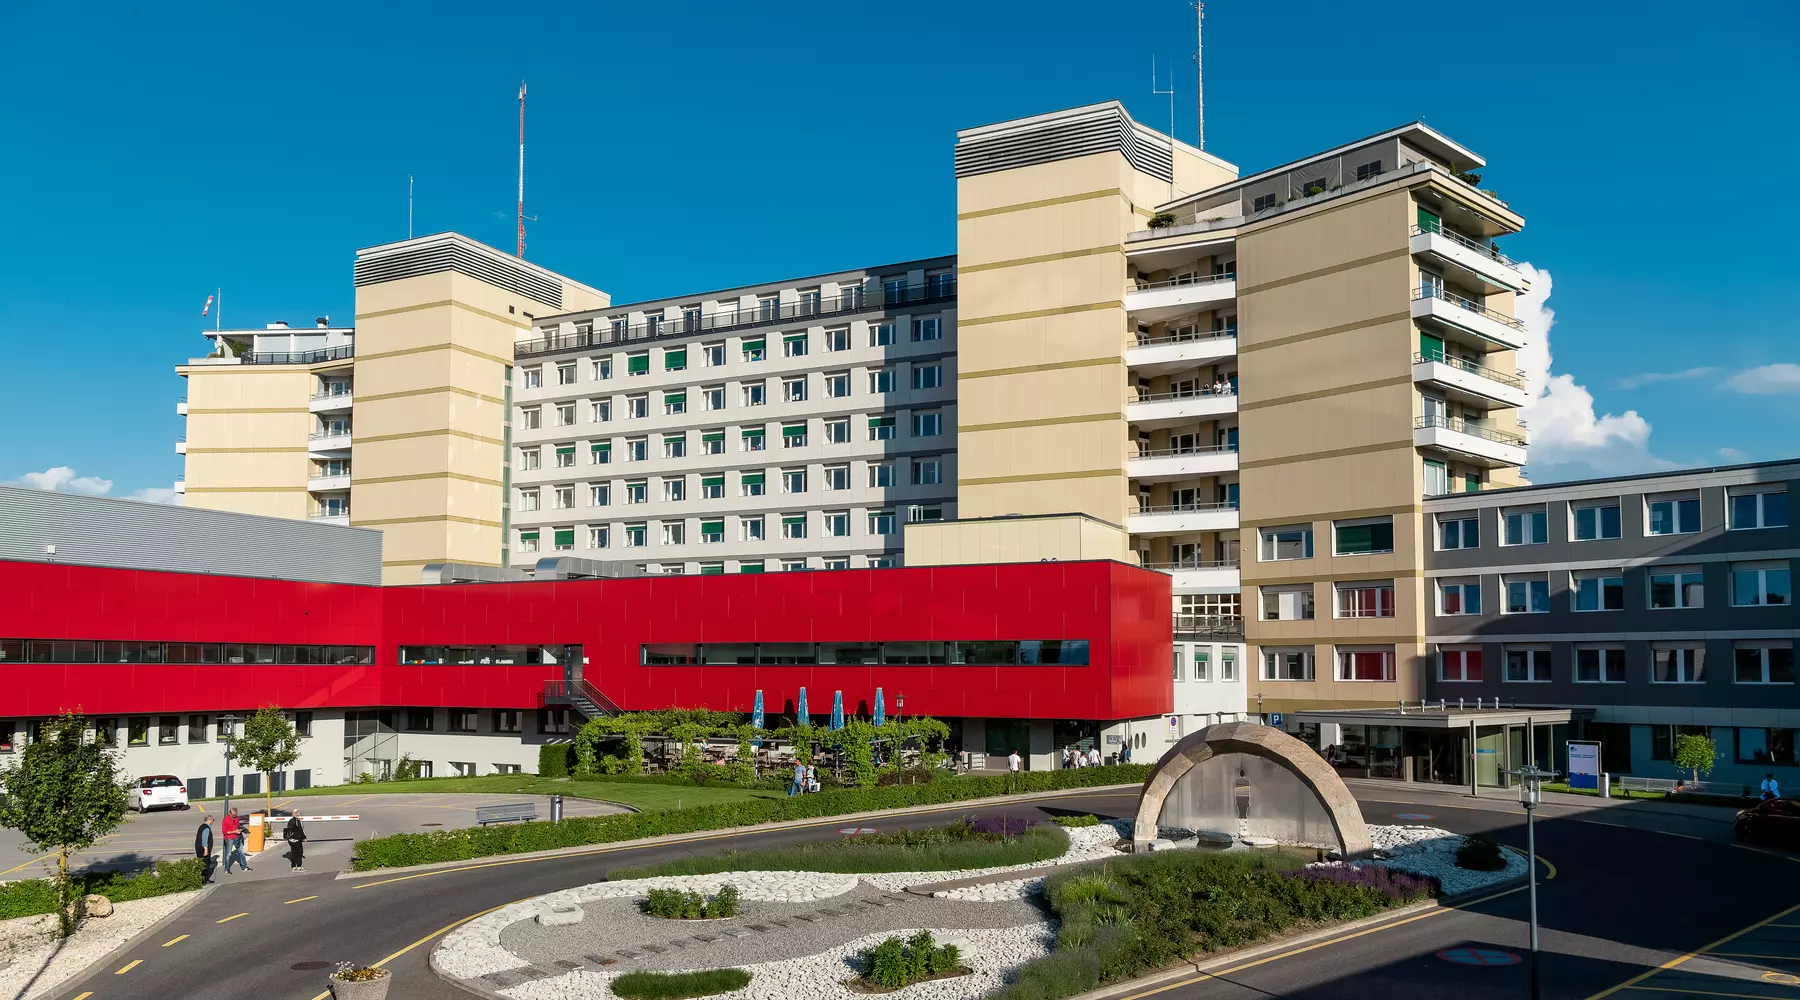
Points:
[(1651, 378), (1733, 456), (157, 494), (1568, 439), (1767, 380), (62, 479)]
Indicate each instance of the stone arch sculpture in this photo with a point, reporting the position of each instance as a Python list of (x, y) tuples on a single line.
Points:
[(1257, 741)]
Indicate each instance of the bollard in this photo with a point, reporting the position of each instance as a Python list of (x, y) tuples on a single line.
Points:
[(556, 808), (1605, 784)]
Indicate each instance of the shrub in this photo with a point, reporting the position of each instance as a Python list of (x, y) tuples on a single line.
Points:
[(674, 904), (1075, 821), (893, 963), (1162, 220), (1480, 854), (30, 897), (553, 760), (401, 849), (1003, 826), (725, 904), (679, 985), (1398, 886)]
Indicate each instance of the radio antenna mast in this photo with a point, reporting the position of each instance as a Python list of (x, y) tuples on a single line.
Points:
[(1199, 77), (1158, 91), (521, 168)]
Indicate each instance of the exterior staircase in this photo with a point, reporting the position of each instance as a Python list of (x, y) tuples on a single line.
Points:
[(581, 695)]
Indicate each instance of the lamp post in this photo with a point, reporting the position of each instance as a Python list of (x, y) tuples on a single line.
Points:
[(899, 707), (1530, 793), (228, 734)]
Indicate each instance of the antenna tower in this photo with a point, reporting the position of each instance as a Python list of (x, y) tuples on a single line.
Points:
[(521, 168), (1199, 77)]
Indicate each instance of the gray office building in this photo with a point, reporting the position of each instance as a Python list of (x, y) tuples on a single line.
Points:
[(1648, 605)]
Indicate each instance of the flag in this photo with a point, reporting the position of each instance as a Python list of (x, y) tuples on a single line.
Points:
[(207, 307)]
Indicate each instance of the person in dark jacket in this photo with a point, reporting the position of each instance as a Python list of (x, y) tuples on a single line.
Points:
[(295, 835), (203, 849)]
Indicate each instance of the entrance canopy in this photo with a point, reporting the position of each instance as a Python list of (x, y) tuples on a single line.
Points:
[(1424, 717)]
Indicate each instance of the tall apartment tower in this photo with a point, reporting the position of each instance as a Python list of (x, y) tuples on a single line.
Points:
[(400, 423), (1210, 372)]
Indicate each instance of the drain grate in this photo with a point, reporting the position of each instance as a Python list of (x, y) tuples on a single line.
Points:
[(309, 966)]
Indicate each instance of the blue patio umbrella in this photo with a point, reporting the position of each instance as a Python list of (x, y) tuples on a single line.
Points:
[(837, 710), (880, 708), (801, 717), (756, 716)]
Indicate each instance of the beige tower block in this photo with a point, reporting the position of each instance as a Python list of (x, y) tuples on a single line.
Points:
[(247, 430)]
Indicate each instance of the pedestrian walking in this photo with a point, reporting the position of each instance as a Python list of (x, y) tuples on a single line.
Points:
[(233, 829), (812, 778), (203, 849), (796, 786), (1012, 762), (1094, 757), (1771, 789), (1125, 754), (295, 835)]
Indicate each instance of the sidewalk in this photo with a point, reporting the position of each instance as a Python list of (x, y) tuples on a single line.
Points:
[(1507, 800)]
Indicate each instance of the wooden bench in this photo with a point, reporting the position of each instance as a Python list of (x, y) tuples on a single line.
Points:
[(517, 812)]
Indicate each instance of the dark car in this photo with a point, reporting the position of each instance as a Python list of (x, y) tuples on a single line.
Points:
[(1775, 822)]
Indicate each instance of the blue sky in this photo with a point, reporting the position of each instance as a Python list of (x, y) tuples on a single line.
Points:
[(155, 152)]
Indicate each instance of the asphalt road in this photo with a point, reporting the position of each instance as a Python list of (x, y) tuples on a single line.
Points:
[(1634, 887)]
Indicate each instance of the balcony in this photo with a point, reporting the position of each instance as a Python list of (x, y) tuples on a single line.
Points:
[(181, 446), (1440, 305), (1216, 628), (1156, 300), (1167, 464), (329, 441), (344, 353), (339, 516), (1169, 409), (1466, 381), (1469, 442), (181, 408), (1474, 261), (181, 485), (1199, 575), (337, 483), (337, 401), (1181, 519), (1166, 354)]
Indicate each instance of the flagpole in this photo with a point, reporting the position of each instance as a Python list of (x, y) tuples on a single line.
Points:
[(219, 314)]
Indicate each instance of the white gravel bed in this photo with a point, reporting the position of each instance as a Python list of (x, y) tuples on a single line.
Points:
[(989, 954), (39, 962), (1429, 850)]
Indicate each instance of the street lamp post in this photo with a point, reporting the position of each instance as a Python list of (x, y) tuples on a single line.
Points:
[(899, 706), (1530, 793), (227, 734)]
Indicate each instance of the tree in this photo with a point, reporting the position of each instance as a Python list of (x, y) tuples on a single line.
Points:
[(269, 744), (64, 793), (1695, 753)]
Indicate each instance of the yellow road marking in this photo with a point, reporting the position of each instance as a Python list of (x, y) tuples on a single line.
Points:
[(234, 916), (134, 963), (1633, 982), (1746, 954), (84, 996), (302, 899), (178, 940), (447, 928), (1711, 993), (1545, 862), (688, 840), (33, 861)]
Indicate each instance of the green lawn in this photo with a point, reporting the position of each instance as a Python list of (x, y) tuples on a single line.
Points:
[(949, 848), (1617, 792), (639, 795)]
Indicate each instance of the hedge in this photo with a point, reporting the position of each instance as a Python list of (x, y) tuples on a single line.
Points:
[(553, 759), (30, 897), (402, 849)]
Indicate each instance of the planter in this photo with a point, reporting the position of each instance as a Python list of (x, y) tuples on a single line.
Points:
[(372, 989)]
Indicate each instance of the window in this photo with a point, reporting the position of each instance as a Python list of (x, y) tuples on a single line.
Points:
[(927, 376), (600, 410), (1262, 203), (712, 487), (1459, 597), (1364, 536), (637, 449), (881, 334), (750, 484), (1763, 663), (1437, 478), (530, 460), (462, 720), (674, 489), (635, 535), (674, 445), (1599, 665), (881, 474), (1364, 171), (793, 345), (755, 349), (1287, 664), (881, 522), (531, 418), (1178, 653), (565, 414), (712, 355), (751, 439), (1677, 588), (837, 340), (712, 442), (1290, 542), (675, 359), (1228, 665), (1459, 664), (881, 380), (1459, 531), (562, 539), (837, 523), (1365, 663), (1762, 509), (553, 721), (1202, 664), (1594, 521), (168, 730), (197, 727), (1526, 595), (1674, 515), (637, 491), (528, 500), (534, 378), (565, 456), (928, 328), (755, 393), (637, 364), (712, 569), (600, 495), (837, 431), (138, 732), (837, 385), (600, 453), (599, 537), (1761, 585), (1599, 590), (881, 428), (1528, 665), (793, 525), (506, 720), (750, 529), (927, 472), (917, 513), (1287, 604), (793, 435), (1662, 739), (927, 424), (793, 480), (674, 532), (675, 402), (1678, 665), (1526, 526), (837, 477), (420, 719), (1366, 600), (1765, 746), (602, 369), (563, 497), (528, 541), (793, 390), (712, 532), (637, 406), (792, 565)]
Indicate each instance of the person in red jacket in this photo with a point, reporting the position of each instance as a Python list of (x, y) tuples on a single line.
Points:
[(233, 831)]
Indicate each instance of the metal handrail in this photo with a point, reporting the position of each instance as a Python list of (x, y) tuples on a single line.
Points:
[(1471, 305), (561, 692), (1192, 279), (1484, 249), (1461, 426), (1438, 357), (330, 475), (1193, 564), (330, 395), (1230, 334), (1205, 390), (850, 300), (300, 357), (324, 435), (320, 516), (1199, 449), (1185, 508), (1214, 626)]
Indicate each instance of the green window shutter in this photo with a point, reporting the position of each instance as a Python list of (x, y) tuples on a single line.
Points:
[(793, 338), (713, 436), (753, 432), (565, 536), (1431, 347), (637, 364), (675, 359), (712, 480), (712, 527), (528, 536), (801, 519), (601, 446), (1471, 483), (712, 569), (1429, 222), (881, 421), (674, 399), (755, 345), (565, 449), (750, 568), (753, 479), (794, 431)]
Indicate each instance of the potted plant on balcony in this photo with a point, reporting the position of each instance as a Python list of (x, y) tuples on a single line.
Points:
[(1162, 220), (360, 982)]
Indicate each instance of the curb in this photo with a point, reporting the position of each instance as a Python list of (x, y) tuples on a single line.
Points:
[(736, 831), (95, 967)]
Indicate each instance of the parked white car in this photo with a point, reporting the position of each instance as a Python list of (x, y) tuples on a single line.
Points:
[(157, 791)]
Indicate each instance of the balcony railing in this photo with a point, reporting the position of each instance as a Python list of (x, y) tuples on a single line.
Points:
[(332, 394), (300, 357), (1185, 508), (1181, 564), (1185, 338), (1191, 279), (1225, 389), (1198, 449), (329, 513), (1461, 426), (853, 300), (323, 435), (1226, 627), (1460, 364), (1464, 302), (1479, 247)]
